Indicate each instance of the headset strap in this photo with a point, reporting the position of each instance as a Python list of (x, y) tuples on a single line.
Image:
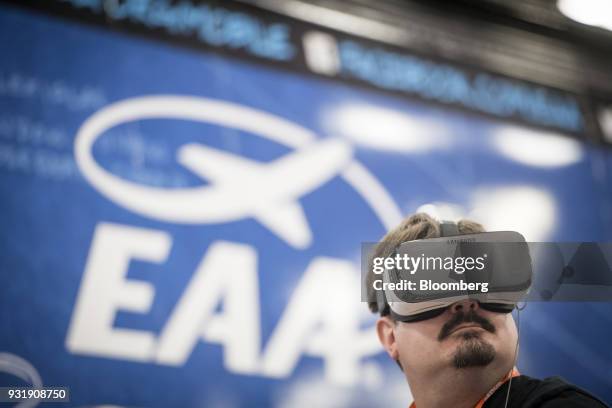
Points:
[(448, 229)]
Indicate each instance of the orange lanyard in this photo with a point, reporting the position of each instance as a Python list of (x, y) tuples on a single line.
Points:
[(479, 404)]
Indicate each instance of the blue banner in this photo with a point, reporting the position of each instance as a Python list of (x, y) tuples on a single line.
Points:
[(182, 228)]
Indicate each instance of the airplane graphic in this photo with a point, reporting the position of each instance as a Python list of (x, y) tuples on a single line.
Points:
[(267, 192), (238, 188)]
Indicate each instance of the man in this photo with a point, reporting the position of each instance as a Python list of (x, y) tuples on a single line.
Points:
[(463, 355)]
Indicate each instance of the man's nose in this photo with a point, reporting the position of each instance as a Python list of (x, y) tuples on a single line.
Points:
[(464, 306)]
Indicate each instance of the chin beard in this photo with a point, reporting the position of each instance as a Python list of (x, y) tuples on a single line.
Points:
[(473, 351)]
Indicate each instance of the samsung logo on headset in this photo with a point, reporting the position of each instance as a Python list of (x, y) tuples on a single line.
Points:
[(458, 240)]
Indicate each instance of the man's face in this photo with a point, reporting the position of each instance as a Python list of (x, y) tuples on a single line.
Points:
[(463, 336)]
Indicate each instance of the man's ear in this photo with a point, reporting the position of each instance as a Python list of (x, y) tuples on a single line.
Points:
[(385, 328)]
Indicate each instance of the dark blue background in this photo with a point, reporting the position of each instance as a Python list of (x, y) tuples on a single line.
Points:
[(49, 212)]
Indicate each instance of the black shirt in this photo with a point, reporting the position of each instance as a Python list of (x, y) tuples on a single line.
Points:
[(552, 392)]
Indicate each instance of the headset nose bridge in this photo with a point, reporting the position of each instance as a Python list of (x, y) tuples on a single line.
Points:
[(464, 306)]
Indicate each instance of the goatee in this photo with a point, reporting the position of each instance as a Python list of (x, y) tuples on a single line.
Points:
[(473, 351)]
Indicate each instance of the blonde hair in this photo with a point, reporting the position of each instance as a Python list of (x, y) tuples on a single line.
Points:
[(417, 226)]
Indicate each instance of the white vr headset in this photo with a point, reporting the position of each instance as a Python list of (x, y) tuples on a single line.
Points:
[(493, 268)]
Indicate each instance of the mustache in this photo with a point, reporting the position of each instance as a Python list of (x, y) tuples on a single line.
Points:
[(460, 318)]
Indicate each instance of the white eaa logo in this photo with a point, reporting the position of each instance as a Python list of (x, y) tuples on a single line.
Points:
[(238, 188)]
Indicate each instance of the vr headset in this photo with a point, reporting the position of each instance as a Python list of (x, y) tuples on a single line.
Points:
[(493, 268)]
